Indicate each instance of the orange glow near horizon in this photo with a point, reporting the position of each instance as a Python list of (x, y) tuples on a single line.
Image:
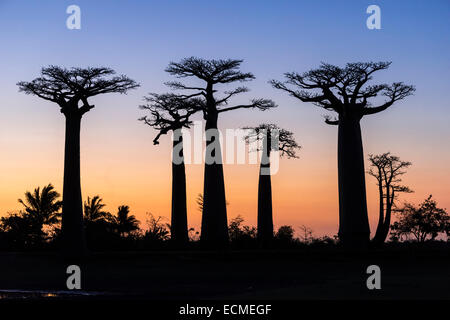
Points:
[(139, 175)]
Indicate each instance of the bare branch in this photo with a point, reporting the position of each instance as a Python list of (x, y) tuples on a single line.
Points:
[(261, 104), (397, 91), (286, 142), (232, 93), (169, 112), (331, 121)]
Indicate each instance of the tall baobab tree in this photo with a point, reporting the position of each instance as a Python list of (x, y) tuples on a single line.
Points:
[(71, 89), (387, 169), (212, 73), (346, 92), (273, 138), (169, 112)]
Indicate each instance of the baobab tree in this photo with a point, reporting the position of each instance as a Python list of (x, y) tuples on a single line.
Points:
[(212, 73), (387, 169), (71, 89), (171, 113), (273, 138), (346, 92)]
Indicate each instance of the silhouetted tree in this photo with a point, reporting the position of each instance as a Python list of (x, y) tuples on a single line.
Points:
[(169, 112), (306, 234), (345, 91), (241, 235), (69, 88), (285, 234), (273, 138), (423, 222), (125, 223), (93, 211), (156, 231), (20, 231), (42, 211), (387, 169), (43, 208), (213, 73), (99, 224)]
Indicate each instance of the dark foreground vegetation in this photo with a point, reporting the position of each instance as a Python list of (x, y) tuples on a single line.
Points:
[(126, 260), (37, 227), (315, 271), (129, 260)]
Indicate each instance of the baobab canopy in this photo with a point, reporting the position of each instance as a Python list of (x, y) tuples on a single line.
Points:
[(340, 89)]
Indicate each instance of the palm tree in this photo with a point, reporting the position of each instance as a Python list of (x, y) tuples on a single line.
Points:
[(124, 222), (42, 208), (93, 211), (99, 224)]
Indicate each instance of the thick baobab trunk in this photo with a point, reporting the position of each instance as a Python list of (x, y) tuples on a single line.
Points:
[(179, 231), (265, 219), (72, 211), (353, 220), (214, 233)]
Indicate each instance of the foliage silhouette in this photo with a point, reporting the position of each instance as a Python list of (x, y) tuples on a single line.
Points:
[(423, 222), (241, 236), (157, 232), (68, 88), (306, 234), (93, 211), (43, 208), (285, 233), (345, 91), (387, 169), (19, 231), (124, 223), (273, 138), (212, 73), (36, 225), (99, 224)]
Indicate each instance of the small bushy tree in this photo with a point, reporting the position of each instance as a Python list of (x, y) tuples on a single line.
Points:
[(423, 222)]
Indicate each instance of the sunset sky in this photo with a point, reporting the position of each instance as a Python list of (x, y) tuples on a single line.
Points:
[(139, 39)]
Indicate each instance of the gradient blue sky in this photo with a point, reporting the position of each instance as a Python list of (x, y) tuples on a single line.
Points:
[(139, 38)]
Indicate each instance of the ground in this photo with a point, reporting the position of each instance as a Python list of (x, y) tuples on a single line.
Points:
[(290, 274)]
